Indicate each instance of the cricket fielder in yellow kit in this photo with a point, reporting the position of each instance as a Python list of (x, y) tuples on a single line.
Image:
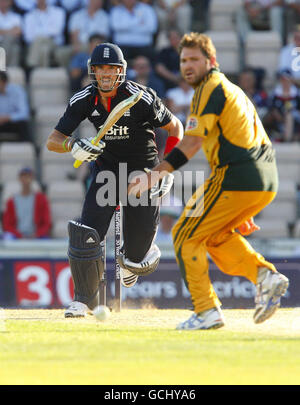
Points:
[(243, 180)]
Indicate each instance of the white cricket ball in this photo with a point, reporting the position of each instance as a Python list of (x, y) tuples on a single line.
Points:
[(101, 312)]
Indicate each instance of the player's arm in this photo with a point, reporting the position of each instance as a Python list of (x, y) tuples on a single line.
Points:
[(184, 151), (175, 130), (81, 149), (59, 143)]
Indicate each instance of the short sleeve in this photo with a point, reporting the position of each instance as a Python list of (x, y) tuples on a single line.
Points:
[(157, 114), (71, 119)]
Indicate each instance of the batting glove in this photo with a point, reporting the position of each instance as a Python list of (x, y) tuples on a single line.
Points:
[(85, 151), (162, 187)]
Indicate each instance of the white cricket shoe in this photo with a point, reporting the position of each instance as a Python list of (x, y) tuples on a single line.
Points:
[(76, 310), (128, 279), (270, 288), (209, 319)]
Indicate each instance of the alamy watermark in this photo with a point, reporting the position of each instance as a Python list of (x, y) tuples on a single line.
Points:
[(114, 188)]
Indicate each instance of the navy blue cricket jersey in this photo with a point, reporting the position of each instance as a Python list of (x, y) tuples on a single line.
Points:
[(132, 138)]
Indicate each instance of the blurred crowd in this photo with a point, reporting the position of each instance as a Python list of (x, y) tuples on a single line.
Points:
[(63, 33)]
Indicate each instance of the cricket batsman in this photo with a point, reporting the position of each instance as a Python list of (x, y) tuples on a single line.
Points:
[(243, 180), (130, 141)]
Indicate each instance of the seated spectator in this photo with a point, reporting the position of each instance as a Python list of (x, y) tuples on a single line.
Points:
[(43, 31), (174, 14), (78, 65), (289, 57), (259, 97), (260, 15), (144, 75), (14, 111), (27, 213), (71, 5), (170, 211), (283, 117), (200, 15), (23, 6), (10, 33), (179, 100), (167, 63), (134, 25), (83, 23)]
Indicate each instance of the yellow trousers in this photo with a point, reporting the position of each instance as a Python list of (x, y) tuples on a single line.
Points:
[(207, 226)]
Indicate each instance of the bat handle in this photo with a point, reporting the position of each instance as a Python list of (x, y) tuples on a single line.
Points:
[(77, 163)]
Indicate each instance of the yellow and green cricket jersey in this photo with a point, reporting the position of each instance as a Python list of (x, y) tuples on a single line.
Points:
[(234, 137)]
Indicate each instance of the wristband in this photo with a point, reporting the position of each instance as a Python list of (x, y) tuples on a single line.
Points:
[(64, 144), (172, 141), (176, 158)]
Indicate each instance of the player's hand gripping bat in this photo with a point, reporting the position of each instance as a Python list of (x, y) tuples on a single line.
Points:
[(113, 117)]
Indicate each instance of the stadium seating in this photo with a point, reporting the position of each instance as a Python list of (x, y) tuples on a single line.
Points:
[(271, 228), (16, 75), (48, 87), (227, 47), (222, 14), (262, 50), (46, 118), (65, 191), (14, 156)]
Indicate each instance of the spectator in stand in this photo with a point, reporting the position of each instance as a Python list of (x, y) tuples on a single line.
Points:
[(134, 25), (260, 15), (178, 100), (78, 66), (259, 97), (43, 31), (10, 33), (23, 6), (289, 57), (27, 213), (167, 63), (144, 75), (83, 23), (283, 117), (174, 14), (200, 15), (14, 111)]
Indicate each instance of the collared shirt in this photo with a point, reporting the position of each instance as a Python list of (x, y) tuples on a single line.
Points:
[(9, 20), (289, 58), (88, 25), (49, 24), (134, 28), (13, 102)]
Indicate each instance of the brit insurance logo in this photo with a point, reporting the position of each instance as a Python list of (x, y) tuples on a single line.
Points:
[(117, 133)]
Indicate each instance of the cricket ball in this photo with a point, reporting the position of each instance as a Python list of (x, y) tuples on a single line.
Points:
[(101, 312)]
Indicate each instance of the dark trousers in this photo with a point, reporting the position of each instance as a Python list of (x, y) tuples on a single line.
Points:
[(15, 131), (139, 222)]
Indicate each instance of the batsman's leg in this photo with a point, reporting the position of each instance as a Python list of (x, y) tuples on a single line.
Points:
[(86, 263)]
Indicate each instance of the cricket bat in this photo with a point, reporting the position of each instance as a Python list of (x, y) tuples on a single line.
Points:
[(113, 117)]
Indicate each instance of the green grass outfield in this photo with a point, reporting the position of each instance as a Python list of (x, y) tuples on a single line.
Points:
[(141, 347)]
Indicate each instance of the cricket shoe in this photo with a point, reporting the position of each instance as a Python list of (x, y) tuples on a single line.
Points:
[(270, 288), (77, 310), (209, 319), (128, 279)]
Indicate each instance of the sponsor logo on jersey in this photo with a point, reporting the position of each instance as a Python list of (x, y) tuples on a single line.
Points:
[(95, 114), (117, 132), (191, 124)]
